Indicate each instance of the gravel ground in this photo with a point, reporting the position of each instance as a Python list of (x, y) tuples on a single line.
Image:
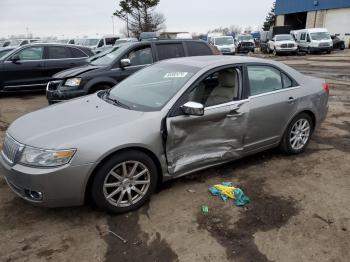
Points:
[(299, 209)]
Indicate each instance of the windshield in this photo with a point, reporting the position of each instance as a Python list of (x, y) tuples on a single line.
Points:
[(245, 37), (223, 40), (320, 36), (107, 57), (151, 88), (284, 38), (91, 42)]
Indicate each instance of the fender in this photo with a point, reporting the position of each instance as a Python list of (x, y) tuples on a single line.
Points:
[(100, 80)]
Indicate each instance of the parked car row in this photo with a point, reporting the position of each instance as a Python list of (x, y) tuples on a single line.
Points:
[(66, 72), (281, 39), (242, 43)]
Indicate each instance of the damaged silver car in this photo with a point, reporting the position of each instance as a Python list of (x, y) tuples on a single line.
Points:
[(170, 119)]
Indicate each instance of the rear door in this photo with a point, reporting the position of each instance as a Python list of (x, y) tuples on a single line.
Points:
[(27, 73), (59, 58), (273, 102), (195, 142), (140, 57), (197, 48)]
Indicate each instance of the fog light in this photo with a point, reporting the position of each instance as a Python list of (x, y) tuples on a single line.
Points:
[(34, 195)]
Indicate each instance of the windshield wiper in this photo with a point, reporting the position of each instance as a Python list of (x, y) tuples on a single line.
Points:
[(115, 101)]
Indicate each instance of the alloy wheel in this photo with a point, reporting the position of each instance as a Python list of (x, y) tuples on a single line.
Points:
[(300, 134), (126, 183)]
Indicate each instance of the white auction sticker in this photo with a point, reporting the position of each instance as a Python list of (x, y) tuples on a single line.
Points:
[(176, 75)]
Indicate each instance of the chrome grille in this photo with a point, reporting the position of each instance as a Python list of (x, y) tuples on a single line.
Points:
[(10, 149), (284, 45), (324, 44), (290, 45)]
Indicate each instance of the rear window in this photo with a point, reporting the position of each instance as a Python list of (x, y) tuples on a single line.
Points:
[(58, 52), (198, 49), (166, 51)]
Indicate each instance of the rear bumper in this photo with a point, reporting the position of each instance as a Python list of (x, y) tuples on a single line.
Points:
[(61, 186)]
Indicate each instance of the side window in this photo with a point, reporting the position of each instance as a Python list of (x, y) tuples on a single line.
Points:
[(57, 52), (287, 82), (197, 49), (31, 53), (100, 43), (166, 51), (77, 53), (218, 88), (264, 79), (302, 37), (110, 41), (141, 56), (25, 42), (308, 38)]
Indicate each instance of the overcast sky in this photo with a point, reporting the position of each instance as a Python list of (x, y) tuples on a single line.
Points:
[(77, 18)]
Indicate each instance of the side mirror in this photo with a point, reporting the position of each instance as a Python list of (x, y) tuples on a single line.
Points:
[(193, 109), (125, 62), (14, 59)]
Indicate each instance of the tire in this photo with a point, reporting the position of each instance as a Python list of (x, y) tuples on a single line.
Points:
[(97, 87), (274, 52), (329, 51), (309, 51), (116, 191), (342, 47), (294, 142)]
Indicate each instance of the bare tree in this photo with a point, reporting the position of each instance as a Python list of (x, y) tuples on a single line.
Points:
[(140, 16)]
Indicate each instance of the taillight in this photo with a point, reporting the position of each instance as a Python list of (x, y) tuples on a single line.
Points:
[(326, 87), (215, 50)]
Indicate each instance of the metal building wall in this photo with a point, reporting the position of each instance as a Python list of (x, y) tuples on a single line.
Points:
[(295, 6)]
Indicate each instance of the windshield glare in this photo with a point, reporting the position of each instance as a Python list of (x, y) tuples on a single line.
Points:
[(151, 88), (245, 38), (223, 41), (91, 42), (107, 57), (320, 36), (284, 38)]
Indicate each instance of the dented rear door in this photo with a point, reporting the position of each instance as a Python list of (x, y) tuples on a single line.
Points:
[(195, 142)]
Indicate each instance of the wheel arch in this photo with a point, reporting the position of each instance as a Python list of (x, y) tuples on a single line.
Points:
[(99, 81), (144, 150)]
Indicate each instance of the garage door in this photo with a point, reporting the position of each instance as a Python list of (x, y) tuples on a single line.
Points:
[(337, 21)]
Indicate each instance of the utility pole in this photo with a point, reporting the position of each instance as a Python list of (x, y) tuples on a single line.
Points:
[(127, 24), (113, 23)]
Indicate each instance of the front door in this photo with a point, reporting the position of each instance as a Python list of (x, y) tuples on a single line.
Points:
[(27, 73), (273, 102), (196, 142), (139, 57)]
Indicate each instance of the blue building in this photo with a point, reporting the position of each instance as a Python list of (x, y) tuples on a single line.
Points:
[(331, 14)]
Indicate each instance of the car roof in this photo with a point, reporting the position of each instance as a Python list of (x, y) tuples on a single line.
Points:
[(214, 60), (54, 44)]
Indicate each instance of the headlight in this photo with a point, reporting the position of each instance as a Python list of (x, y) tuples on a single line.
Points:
[(72, 82), (46, 158)]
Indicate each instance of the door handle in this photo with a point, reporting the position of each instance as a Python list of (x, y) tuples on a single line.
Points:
[(291, 100), (235, 113)]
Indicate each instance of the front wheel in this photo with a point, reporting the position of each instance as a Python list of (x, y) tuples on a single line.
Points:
[(298, 134), (274, 52), (124, 182)]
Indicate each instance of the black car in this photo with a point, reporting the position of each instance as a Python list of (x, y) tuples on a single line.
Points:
[(5, 50), (108, 68), (338, 43), (31, 67)]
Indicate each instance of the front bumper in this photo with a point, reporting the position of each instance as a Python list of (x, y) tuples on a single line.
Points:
[(245, 49), (61, 186), (55, 92), (287, 50), (321, 49)]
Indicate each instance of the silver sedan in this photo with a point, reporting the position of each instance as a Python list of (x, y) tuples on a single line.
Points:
[(165, 121)]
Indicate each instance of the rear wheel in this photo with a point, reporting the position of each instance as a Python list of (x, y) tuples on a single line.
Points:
[(124, 182), (298, 134)]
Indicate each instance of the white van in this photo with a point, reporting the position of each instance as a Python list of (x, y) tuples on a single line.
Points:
[(314, 40), (225, 44), (98, 45)]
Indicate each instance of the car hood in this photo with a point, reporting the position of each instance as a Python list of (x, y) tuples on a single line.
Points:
[(61, 125), (76, 71), (225, 46)]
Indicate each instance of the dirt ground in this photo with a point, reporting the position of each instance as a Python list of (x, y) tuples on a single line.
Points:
[(299, 208)]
